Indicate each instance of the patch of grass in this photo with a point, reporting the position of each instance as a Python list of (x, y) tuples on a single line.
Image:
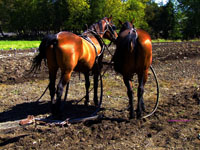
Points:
[(194, 40), (7, 45), (108, 92), (16, 92), (179, 40), (163, 40), (106, 41)]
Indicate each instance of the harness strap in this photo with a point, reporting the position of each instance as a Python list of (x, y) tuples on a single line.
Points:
[(90, 41), (133, 30), (99, 39)]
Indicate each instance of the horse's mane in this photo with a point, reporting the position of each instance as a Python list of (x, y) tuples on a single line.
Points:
[(95, 26)]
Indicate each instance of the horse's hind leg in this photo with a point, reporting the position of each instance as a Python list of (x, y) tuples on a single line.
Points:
[(57, 105), (142, 78), (87, 86), (66, 92), (128, 84), (52, 80)]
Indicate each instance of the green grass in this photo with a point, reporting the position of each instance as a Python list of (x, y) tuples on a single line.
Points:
[(163, 40), (7, 45)]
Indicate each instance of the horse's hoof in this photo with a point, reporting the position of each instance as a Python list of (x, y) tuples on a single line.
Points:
[(96, 103), (57, 116), (139, 115), (132, 116), (143, 108), (86, 103)]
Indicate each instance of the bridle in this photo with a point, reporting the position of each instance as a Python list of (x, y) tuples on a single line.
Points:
[(96, 34), (108, 28)]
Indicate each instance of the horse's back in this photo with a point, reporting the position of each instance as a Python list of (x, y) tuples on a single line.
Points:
[(89, 54), (68, 50), (145, 45), (68, 41), (134, 52), (75, 53), (144, 38)]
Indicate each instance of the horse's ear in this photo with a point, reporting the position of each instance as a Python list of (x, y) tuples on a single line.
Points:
[(132, 21), (110, 17), (120, 22)]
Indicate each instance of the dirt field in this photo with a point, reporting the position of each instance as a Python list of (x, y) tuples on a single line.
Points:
[(175, 125)]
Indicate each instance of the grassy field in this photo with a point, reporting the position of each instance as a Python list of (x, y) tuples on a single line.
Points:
[(7, 45)]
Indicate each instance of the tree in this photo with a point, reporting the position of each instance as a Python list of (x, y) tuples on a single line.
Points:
[(97, 10), (163, 20), (167, 19), (152, 16), (79, 13), (135, 9), (191, 21), (5, 6), (114, 8)]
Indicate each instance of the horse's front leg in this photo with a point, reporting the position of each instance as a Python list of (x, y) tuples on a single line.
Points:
[(128, 84), (87, 86), (96, 81), (97, 70)]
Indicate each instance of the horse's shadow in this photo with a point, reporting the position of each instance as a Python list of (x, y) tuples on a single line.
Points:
[(21, 111), (69, 110)]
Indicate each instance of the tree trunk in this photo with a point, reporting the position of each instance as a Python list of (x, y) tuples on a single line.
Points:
[(1, 31)]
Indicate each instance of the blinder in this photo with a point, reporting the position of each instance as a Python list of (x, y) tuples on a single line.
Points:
[(111, 28)]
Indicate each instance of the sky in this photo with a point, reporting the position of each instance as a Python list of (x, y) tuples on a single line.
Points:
[(161, 1)]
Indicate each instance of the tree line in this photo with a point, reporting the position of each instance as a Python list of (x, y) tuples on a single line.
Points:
[(178, 19)]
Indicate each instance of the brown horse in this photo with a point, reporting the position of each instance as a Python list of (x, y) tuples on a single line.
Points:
[(71, 52), (133, 55)]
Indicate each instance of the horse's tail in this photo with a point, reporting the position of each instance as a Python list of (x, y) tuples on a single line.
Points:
[(46, 42), (133, 44)]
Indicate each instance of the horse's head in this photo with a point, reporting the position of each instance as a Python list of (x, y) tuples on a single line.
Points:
[(105, 28), (109, 29), (127, 25)]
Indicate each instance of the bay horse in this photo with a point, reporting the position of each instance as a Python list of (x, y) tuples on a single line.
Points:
[(133, 55), (71, 52)]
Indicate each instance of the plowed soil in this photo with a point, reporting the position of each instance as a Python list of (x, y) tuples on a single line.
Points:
[(175, 124)]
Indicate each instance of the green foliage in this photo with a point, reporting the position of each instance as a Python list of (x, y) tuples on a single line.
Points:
[(135, 9), (97, 10), (163, 20), (114, 8), (191, 22), (175, 20), (78, 14)]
